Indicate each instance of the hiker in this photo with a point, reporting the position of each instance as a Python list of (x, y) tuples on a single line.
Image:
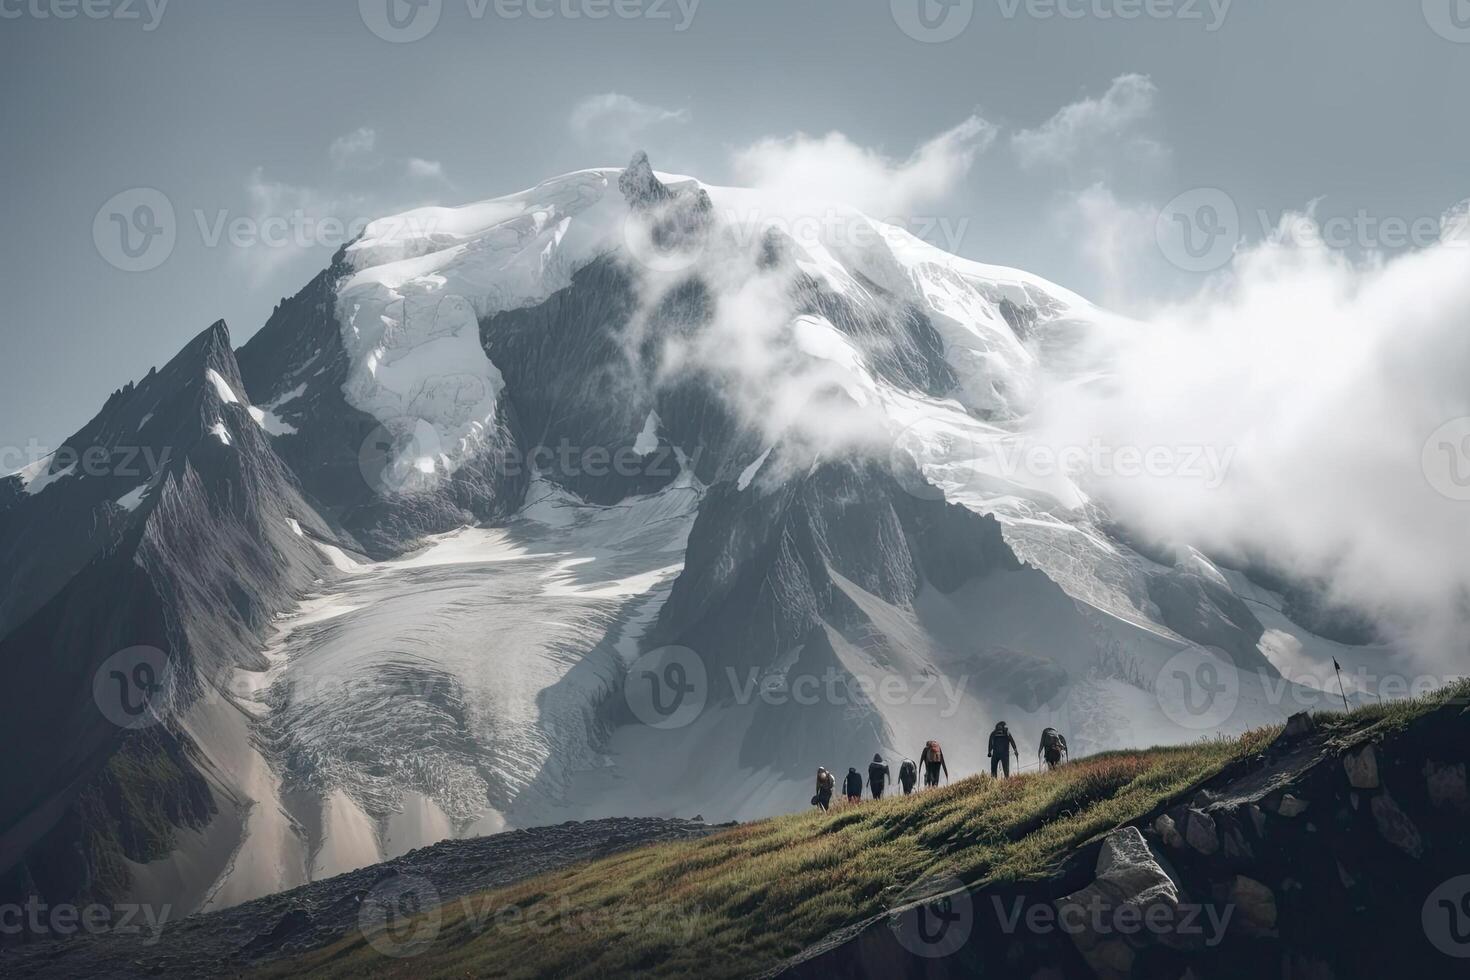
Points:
[(1001, 747), (908, 775), (877, 776), (825, 785), (1053, 747), (854, 786), (932, 759)]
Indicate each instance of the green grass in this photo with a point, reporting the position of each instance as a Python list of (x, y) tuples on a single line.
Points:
[(745, 899)]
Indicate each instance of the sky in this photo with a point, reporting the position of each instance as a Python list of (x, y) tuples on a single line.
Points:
[(247, 140)]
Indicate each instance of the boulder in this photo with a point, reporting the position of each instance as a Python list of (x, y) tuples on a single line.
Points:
[(1199, 831), (1362, 767), (1298, 725), (1291, 806), (1168, 831), (1255, 907), (1447, 787), (1396, 827), (1235, 844), (1128, 875)]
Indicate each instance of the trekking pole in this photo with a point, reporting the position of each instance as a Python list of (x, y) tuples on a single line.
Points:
[(1338, 667)]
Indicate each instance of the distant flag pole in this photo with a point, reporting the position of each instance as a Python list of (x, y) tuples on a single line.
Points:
[(1338, 667)]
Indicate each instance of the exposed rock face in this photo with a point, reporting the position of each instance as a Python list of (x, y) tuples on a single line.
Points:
[(209, 547), (640, 187), (677, 221)]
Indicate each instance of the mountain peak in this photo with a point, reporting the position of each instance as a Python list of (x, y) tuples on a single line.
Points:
[(640, 186)]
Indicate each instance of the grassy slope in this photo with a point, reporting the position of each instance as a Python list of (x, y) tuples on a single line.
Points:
[(748, 898)]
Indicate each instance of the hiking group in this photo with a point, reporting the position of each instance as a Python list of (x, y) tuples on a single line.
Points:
[(1001, 745)]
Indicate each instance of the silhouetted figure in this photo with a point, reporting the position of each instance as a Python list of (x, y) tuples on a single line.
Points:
[(908, 775), (1001, 747), (878, 776), (932, 759), (1053, 747), (825, 785), (854, 785)]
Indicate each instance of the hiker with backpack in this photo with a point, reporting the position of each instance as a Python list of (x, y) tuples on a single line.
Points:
[(854, 786), (908, 775), (1053, 747), (932, 759), (877, 776), (1000, 749), (825, 785)]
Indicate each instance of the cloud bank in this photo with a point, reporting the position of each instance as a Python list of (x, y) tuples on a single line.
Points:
[(1326, 378)]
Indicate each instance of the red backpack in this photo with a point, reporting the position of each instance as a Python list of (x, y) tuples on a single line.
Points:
[(932, 751)]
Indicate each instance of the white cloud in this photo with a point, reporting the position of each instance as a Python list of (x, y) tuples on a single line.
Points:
[(1114, 238), (835, 168), (425, 169), (1095, 133), (356, 150), (1322, 379), (284, 221), (612, 116)]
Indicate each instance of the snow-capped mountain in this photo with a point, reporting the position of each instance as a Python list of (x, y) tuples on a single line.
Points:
[(401, 549)]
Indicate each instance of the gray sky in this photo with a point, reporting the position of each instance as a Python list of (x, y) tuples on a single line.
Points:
[(1066, 135)]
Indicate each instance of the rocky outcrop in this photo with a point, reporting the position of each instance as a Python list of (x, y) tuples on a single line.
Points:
[(1332, 855)]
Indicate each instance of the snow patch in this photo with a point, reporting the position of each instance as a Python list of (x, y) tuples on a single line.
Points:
[(221, 433), (222, 387), (36, 476), (647, 441), (272, 423), (130, 500), (748, 474)]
